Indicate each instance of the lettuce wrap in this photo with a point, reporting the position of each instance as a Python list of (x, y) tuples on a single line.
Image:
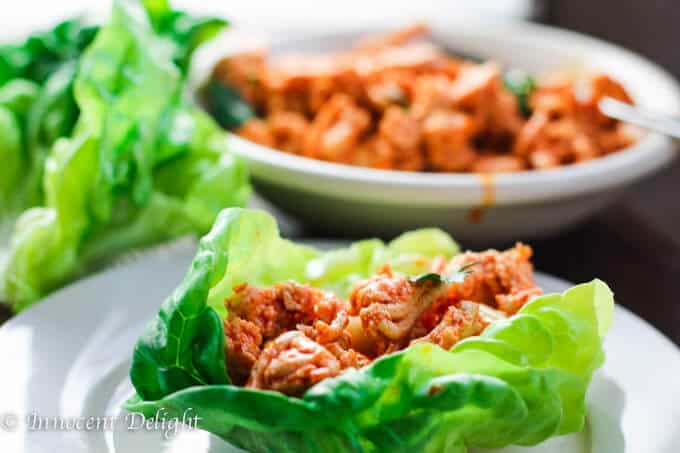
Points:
[(523, 380), (103, 150)]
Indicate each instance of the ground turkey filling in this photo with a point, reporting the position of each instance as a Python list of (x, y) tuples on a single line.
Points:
[(290, 336), (399, 102)]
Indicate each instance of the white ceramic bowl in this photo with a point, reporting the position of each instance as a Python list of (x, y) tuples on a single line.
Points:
[(352, 200)]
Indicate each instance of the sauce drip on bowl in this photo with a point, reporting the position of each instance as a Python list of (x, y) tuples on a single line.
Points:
[(476, 214)]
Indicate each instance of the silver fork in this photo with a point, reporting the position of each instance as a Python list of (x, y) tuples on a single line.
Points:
[(657, 122)]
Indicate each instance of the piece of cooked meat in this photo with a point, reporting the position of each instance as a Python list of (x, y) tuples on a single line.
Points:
[(258, 131), (257, 315), (504, 280), (245, 72), (458, 322), (447, 136), (242, 348), (286, 305), (336, 129), (388, 306), (291, 363), (400, 128), (475, 85), (348, 357), (288, 130)]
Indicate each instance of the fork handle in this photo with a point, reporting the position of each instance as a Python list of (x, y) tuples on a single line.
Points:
[(654, 121)]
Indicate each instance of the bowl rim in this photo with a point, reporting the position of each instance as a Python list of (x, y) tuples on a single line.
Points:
[(366, 184), (649, 154)]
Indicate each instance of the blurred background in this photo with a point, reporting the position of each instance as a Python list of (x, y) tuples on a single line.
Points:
[(647, 27), (634, 245)]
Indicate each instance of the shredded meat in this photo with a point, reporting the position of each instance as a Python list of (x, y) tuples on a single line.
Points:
[(389, 305), (291, 364), (290, 336), (243, 344), (336, 129), (289, 304), (503, 280), (447, 140), (400, 128), (257, 315), (566, 128), (289, 130), (392, 102), (259, 131), (348, 357), (456, 324)]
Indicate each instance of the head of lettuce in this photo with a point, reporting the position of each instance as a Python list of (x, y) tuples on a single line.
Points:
[(102, 149), (522, 380)]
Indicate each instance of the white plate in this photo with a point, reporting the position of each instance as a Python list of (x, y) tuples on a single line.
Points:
[(341, 198), (69, 357)]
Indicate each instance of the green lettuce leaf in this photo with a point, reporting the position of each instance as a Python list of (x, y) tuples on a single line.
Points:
[(523, 380), (10, 153), (43, 53), (186, 32), (36, 86), (129, 160)]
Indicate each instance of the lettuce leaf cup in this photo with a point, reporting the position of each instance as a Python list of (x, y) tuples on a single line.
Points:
[(520, 380)]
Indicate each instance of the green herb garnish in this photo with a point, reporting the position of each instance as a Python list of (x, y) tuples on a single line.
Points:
[(429, 277), (457, 277), (227, 106), (522, 85)]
